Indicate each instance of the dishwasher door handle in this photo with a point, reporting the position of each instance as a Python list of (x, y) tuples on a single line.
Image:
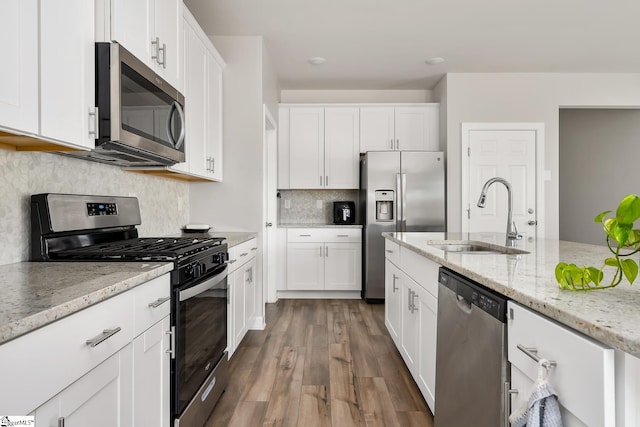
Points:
[(463, 304)]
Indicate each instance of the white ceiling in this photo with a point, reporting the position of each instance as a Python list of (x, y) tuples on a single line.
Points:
[(383, 44)]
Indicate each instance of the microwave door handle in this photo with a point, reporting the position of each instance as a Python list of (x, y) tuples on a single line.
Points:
[(175, 143)]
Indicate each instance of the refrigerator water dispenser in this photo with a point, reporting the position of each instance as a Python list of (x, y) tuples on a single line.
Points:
[(384, 205)]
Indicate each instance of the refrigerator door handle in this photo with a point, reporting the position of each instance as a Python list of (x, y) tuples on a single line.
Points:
[(398, 202), (404, 201)]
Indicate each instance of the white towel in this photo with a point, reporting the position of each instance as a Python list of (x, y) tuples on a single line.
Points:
[(541, 409)]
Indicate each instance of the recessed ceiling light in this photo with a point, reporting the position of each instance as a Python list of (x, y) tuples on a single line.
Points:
[(435, 60), (317, 60)]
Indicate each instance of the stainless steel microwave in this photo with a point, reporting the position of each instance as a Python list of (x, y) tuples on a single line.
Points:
[(141, 120)]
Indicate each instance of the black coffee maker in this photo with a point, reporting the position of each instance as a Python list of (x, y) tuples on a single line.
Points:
[(344, 212)]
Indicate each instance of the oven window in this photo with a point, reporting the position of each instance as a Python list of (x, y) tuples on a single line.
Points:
[(145, 109), (201, 338)]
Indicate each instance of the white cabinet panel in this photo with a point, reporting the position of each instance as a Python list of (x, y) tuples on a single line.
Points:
[(167, 29), (283, 148), (427, 310), (392, 301), (305, 266), (341, 147), (213, 119), (132, 25), (101, 398), (342, 266), (151, 376), (67, 71), (243, 292), (409, 319), (376, 129), (19, 70), (306, 135), (415, 129), (583, 376)]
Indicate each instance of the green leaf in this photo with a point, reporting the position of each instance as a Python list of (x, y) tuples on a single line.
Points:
[(629, 210), (621, 233), (609, 225), (601, 216), (611, 262), (595, 275), (630, 269), (559, 268)]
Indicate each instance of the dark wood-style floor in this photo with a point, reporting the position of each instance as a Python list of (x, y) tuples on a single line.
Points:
[(320, 363)]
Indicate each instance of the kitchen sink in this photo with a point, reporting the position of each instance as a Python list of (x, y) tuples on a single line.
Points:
[(468, 246)]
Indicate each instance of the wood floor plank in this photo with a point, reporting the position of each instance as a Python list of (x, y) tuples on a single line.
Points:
[(342, 381), (403, 390), (314, 407), (368, 314), (365, 363), (345, 414), (377, 409), (285, 398), (263, 375), (248, 414), (316, 362), (415, 419), (337, 328)]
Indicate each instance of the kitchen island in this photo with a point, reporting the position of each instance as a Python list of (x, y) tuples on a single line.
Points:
[(597, 368)]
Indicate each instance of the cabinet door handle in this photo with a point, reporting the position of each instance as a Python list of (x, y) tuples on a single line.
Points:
[(409, 300), (397, 144), (61, 422), (94, 120), (508, 391), (394, 283), (326, 180), (326, 251), (163, 49), (172, 342), (413, 302), (105, 335), (157, 303), (391, 143), (156, 49), (213, 165), (320, 180), (320, 251), (533, 353)]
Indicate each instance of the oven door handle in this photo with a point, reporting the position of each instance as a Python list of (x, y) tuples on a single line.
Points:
[(185, 294)]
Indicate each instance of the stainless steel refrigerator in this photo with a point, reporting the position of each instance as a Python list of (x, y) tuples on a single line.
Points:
[(399, 191)]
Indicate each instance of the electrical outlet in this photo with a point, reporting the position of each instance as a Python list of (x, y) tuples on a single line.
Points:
[(319, 204), (287, 203)]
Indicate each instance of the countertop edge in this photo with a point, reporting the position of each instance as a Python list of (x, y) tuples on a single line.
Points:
[(620, 341), (17, 328)]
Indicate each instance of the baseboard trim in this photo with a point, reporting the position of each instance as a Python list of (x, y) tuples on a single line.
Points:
[(319, 295)]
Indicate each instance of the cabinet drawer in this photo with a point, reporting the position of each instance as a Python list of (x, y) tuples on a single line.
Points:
[(243, 253), (422, 270), (392, 251), (152, 303), (333, 235), (40, 364), (584, 374)]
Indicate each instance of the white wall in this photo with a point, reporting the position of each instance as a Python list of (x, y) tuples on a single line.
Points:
[(525, 97), (598, 163), (354, 96), (164, 203), (235, 204)]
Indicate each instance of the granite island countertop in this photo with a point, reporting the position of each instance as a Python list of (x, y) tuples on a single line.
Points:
[(611, 316), (307, 225), (35, 294)]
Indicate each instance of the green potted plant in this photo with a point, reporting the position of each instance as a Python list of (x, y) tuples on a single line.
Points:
[(622, 239)]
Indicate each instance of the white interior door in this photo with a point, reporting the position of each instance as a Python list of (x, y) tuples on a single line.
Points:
[(510, 154), (270, 210)]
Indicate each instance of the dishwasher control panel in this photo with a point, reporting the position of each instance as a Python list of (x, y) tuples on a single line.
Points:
[(474, 293), (486, 303)]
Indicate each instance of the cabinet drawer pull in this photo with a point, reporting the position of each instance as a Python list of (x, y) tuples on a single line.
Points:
[(532, 352), (254, 249), (305, 235), (343, 235), (157, 303), (244, 254), (389, 251), (231, 261), (105, 335)]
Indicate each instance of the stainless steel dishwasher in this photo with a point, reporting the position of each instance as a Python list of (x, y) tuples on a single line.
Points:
[(471, 354)]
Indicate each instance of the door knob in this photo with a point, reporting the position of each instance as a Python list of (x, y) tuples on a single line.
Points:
[(532, 222), (269, 224)]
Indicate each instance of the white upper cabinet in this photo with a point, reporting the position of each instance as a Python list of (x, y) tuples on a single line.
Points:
[(203, 67), (401, 128), (19, 70), (306, 158), (341, 156), (323, 147), (151, 30), (67, 72)]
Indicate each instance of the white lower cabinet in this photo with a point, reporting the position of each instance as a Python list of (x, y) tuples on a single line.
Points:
[(324, 259), (151, 376), (244, 294), (411, 307), (583, 376), (100, 398)]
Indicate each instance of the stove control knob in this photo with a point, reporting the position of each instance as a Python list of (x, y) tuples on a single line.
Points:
[(193, 271)]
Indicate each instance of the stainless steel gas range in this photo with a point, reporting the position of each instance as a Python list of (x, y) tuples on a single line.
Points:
[(69, 227)]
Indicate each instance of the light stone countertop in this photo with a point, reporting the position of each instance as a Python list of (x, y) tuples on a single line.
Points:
[(35, 294), (611, 316), (233, 238)]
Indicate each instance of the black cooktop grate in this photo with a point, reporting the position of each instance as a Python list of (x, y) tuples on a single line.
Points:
[(149, 248)]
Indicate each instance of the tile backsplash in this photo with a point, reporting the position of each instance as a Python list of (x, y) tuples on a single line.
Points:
[(303, 205), (164, 203)]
